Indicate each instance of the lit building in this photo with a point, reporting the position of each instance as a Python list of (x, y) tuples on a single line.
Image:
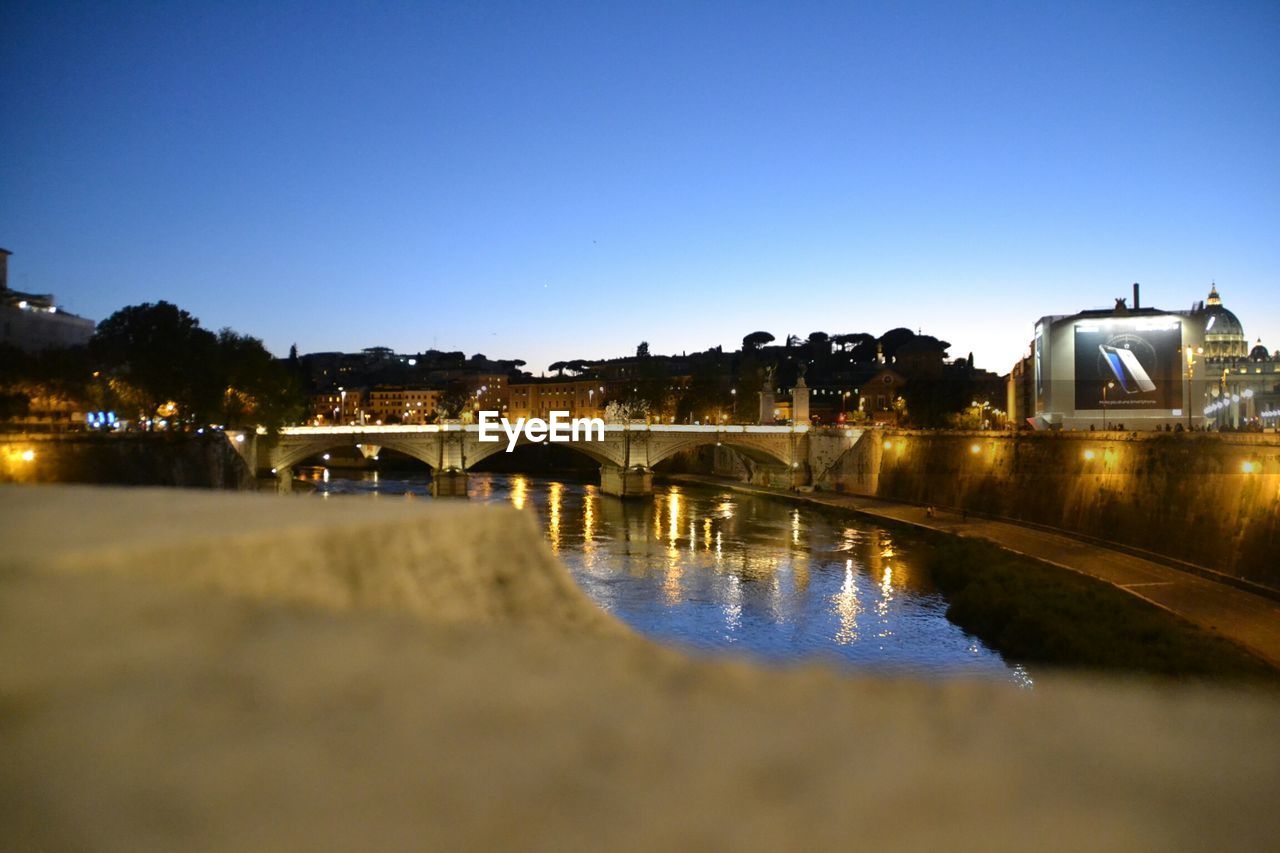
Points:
[(1135, 368), (401, 405), (581, 398), (33, 321), (340, 406)]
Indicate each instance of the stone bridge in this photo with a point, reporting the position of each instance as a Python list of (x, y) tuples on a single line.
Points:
[(626, 455)]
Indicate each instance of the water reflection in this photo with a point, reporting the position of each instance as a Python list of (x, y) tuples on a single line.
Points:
[(715, 570)]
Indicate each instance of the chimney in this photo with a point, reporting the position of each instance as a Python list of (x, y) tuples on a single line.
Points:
[(4, 269), (1135, 296)]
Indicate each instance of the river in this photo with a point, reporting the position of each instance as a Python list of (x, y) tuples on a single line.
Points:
[(716, 571)]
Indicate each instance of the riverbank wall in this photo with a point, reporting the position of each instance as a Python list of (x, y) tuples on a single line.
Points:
[(1211, 500), (131, 459)]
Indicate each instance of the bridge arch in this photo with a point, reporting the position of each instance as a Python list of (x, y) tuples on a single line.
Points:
[(289, 454), (602, 453), (769, 450)]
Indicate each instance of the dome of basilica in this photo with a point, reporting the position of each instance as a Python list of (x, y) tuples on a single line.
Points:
[(1223, 334)]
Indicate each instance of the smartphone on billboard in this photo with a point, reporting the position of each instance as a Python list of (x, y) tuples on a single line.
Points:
[(1128, 371)]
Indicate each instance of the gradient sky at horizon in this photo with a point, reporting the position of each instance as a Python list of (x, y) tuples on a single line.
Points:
[(563, 180)]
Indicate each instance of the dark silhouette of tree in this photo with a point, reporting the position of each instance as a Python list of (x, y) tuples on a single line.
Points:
[(258, 389), (893, 339), (156, 353), (642, 351), (756, 340)]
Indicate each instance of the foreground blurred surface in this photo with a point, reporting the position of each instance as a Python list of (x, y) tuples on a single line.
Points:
[(216, 671)]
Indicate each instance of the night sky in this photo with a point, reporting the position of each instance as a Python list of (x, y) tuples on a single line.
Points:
[(550, 181)]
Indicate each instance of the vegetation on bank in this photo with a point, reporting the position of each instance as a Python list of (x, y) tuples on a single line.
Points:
[(154, 362), (1039, 614)]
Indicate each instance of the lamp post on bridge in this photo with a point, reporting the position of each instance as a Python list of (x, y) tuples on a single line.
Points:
[(1109, 385), (1189, 373)]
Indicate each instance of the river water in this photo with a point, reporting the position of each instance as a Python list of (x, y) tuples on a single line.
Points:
[(716, 571)]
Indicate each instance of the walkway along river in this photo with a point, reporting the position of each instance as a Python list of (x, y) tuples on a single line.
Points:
[(715, 571)]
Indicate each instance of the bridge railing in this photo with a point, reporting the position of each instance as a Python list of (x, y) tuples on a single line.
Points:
[(415, 429)]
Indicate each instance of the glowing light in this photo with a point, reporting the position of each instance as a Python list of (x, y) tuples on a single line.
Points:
[(1248, 467), (325, 457), (888, 445), (1089, 454), (975, 448), (28, 455), (673, 504), (554, 494), (239, 439), (847, 607), (519, 488)]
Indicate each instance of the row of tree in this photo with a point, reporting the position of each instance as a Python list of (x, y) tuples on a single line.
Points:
[(155, 362)]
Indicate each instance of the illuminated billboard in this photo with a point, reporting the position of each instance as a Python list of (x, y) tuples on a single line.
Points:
[(1136, 361)]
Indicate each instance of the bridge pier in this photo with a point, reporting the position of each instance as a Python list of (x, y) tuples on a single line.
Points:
[(284, 479), (451, 483), (635, 481)]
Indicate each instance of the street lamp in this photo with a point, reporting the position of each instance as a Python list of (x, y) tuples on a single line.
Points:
[(1105, 388), (1191, 361)]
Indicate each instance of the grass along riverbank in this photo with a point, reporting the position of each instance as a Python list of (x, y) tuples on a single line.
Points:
[(1035, 613)]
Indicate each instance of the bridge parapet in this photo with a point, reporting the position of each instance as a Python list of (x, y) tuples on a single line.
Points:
[(626, 454)]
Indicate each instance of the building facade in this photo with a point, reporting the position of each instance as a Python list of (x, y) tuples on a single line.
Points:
[(1134, 368), (33, 321)]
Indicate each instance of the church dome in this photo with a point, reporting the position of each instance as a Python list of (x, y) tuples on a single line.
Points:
[(1223, 334), (1259, 352)]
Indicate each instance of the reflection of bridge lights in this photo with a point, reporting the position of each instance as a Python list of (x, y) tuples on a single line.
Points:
[(673, 505), (554, 495), (847, 607), (588, 518), (519, 487), (795, 527)]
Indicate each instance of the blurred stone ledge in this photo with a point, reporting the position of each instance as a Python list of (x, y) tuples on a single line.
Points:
[(209, 671)]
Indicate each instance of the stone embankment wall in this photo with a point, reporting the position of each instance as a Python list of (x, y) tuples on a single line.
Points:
[(136, 459), (1208, 499)]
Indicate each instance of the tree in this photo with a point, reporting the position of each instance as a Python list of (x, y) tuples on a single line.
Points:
[(756, 340), (258, 389), (156, 353), (895, 338), (642, 351)]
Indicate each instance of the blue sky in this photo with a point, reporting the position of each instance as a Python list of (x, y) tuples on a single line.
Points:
[(554, 180)]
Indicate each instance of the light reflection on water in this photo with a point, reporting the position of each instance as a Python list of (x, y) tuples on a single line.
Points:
[(715, 570)]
